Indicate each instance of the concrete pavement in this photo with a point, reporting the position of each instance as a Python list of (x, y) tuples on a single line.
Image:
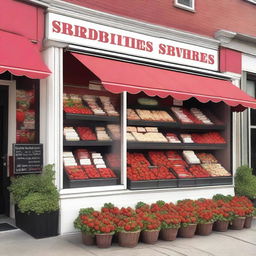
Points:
[(231, 243)]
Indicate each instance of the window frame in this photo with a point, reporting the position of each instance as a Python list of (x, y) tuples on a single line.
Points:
[(185, 7), (251, 1)]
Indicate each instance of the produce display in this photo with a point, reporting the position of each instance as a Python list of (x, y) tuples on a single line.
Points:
[(131, 114), (73, 104), (200, 116), (194, 115), (186, 138), (153, 115), (26, 111), (86, 133), (181, 115), (216, 170), (207, 158), (181, 167), (190, 157), (91, 165), (91, 101), (70, 134), (108, 106), (210, 138), (198, 171), (102, 133), (172, 138), (88, 105)]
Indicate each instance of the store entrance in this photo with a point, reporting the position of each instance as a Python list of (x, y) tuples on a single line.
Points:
[(4, 179)]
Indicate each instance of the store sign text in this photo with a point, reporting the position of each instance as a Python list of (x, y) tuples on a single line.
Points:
[(74, 31)]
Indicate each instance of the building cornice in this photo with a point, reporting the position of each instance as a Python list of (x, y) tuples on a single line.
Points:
[(237, 41)]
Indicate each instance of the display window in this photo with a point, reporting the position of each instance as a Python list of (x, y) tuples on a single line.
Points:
[(92, 136), (176, 144), (27, 111), (164, 143)]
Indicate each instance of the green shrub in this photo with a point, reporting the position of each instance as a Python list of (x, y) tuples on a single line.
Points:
[(224, 198), (35, 192), (245, 182)]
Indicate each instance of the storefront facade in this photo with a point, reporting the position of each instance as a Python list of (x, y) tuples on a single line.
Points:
[(81, 54), (104, 64)]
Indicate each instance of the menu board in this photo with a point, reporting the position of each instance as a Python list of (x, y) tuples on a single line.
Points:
[(28, 158)]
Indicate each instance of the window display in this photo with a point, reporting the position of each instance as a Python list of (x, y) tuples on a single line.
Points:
[(26, 112), (92, 136), (179, 146)]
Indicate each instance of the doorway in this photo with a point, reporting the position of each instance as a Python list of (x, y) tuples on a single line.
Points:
[(4, 179)]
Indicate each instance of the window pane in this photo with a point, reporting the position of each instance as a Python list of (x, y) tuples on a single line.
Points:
[(185, 2), (27, 114)]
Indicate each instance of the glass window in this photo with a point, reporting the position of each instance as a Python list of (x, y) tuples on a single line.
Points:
[(27, 111), (185, 4)]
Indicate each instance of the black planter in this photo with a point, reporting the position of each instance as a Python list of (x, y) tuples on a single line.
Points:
[(38, 226)]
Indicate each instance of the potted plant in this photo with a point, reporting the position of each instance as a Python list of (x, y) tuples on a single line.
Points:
[(88, 236), (205, 216), (239, 213), (187, 211), (128, 229), (169, 218), (101, 225), (151, 228), (223, 215), (36, 201), (245, 183)]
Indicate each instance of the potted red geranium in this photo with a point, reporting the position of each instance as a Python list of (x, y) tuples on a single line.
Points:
[(239, 213), (223, 215), (88, 236), (151, 227), (188, 215), (205, 216), (128, 229), (169, 218)]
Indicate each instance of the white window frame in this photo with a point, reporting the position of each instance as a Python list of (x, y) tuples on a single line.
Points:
[(251, 1), (185, 7)]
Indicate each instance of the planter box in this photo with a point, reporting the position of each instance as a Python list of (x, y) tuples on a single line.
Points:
[(38, 226)]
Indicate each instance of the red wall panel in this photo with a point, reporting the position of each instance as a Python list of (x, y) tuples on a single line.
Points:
[(210, 16), (23, 19), (230, 61)]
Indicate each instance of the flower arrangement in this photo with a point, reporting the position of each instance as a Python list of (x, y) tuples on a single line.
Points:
[(162, 215), (187, 211)]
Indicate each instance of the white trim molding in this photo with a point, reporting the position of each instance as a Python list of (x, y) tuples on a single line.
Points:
[(115, 21)]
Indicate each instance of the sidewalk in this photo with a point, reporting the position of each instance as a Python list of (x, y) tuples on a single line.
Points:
[(231, 243)]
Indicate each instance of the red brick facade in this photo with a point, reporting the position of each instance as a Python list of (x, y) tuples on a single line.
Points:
[(209, 15)]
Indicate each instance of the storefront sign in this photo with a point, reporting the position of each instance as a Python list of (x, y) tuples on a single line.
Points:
[(83, 33), (28, 158)]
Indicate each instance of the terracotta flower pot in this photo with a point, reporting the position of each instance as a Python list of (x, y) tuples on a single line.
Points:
[(168, 234), (88, 239), (128, 239), (149, 236), (248, 222), (104, 240), (237, 223), (204, 229), (220, 226), (187, 232)]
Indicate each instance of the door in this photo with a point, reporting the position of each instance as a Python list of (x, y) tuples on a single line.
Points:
[(4, 179)]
